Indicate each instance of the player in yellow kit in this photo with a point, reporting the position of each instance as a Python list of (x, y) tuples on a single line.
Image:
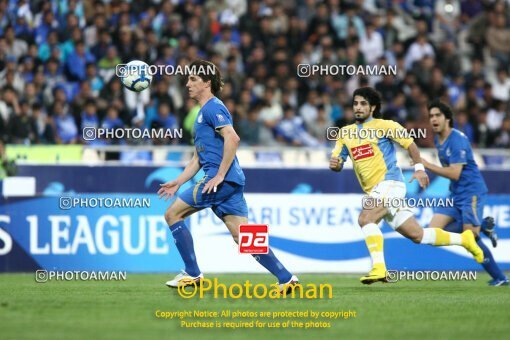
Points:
[(369, 144)]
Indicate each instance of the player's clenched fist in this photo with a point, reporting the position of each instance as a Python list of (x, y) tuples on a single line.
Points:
[(335, 164)]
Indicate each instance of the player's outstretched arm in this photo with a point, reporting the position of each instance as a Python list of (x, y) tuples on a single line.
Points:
[(169, 189), (451, 172), (230, 143), (419, 168)]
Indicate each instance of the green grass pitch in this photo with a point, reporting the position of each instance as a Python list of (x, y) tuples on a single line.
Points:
[(126, 309)]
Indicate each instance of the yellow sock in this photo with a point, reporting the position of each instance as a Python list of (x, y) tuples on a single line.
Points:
[(439, 237), (442, 238), (375, 244)]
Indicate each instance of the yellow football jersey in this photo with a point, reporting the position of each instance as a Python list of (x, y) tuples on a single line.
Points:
[(371, 149)]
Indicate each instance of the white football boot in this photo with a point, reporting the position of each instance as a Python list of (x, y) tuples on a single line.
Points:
[(288, 286), (183, 279)]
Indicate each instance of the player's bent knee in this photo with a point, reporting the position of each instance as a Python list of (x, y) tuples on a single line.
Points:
[(415, 235), (365, 218), (234, 231), (171, 217)]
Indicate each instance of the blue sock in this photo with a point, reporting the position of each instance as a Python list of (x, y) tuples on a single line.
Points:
[(184, 243), (489, 264), (271, 263)]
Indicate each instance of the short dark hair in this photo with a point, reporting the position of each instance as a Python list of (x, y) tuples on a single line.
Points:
[(215, 77), (443, 108), (372, 96)]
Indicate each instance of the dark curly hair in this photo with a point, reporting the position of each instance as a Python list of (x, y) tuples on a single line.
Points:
[(443, 108), (372, 97)]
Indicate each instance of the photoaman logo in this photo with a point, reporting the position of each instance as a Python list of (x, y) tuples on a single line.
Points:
[(248, 290)]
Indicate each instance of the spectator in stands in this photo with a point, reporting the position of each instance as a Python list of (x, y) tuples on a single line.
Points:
[(457, 92), (447, 19), (9, 105), (495, 116), (53, 73), (225, 42), (96, 83), (45, 47), (501, 85), (89, 118), (475, 72), (437, 86), (13, 77), (342, 22), (498, 39), (22, 128), (483, 136), (104, 42), (308, 111), (191, 109), (396, 109), (418, 50), (30, 94), (387, 87), (461, 123), (320, 126), (371, 44), (77, 62), (161, 94), (347, 118), (92, 34), (399, 27), (44, 125), (165, 118), (14, 47), (112, 120), (250, 127), (270, 115), (291, 130), (321, 18), (165, 121), (448, 59), (503, 139), (41, 59), (108, 63), (232, 75), (65, 126)]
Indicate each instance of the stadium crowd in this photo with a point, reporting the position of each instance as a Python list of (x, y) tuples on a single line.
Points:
[(58, 59)]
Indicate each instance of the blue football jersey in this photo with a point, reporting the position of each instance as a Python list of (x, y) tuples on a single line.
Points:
[(209, 143), (456, 149)]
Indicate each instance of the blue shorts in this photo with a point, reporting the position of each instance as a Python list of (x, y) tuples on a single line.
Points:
[(227, 200), (468, 211)]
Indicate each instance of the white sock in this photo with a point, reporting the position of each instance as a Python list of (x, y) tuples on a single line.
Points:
[(456, 239), (439, 237), (429, 236)]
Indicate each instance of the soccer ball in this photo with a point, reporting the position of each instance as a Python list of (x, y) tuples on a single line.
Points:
[(135, 75)]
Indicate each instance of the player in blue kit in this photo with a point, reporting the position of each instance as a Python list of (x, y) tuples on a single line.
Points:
[(467, 187), (222, 187)]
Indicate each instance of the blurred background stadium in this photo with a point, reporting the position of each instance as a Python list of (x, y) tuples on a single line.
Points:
[(57, 77)]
